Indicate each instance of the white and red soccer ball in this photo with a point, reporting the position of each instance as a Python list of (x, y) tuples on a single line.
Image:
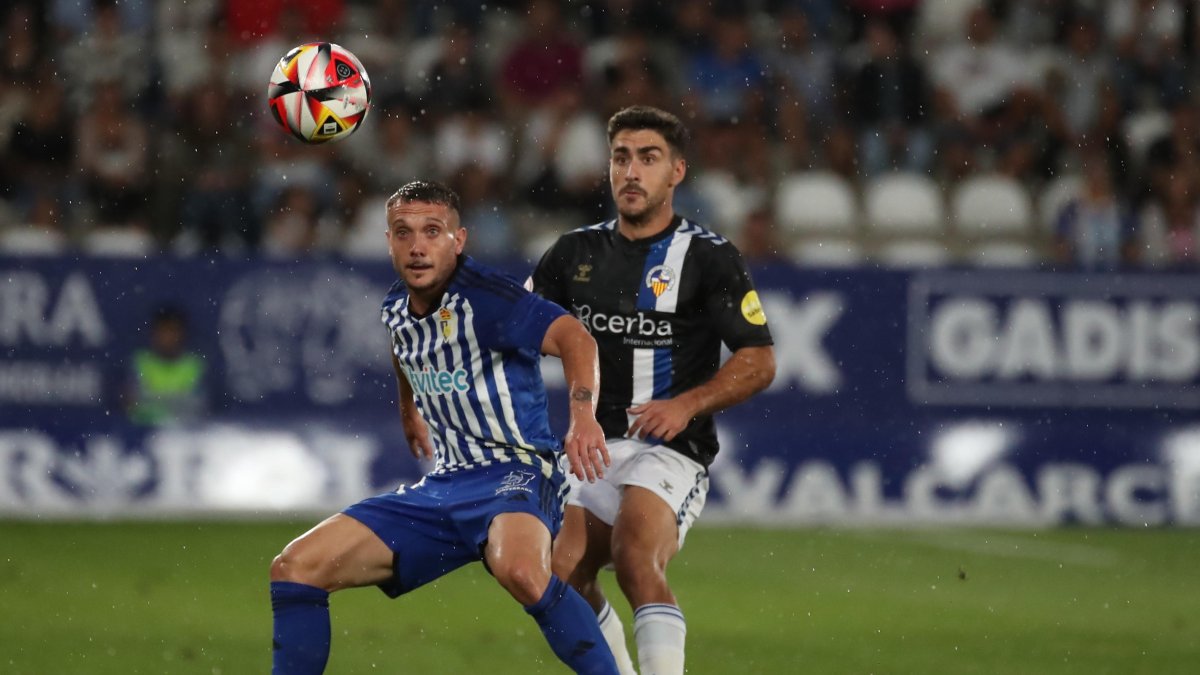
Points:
[(319, 92)]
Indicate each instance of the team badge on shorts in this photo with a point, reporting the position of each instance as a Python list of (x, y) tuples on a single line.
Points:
[(660, 279), (516, 480)]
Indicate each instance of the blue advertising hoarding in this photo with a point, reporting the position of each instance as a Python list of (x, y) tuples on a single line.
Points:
[(922, 397)]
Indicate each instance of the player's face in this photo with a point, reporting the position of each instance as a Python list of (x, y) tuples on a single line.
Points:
[(643, 173), (424, 240)]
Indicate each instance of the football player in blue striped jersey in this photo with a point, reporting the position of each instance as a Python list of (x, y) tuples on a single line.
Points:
[(466, 346)]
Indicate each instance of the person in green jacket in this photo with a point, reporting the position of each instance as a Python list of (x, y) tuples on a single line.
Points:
[(167, 381)]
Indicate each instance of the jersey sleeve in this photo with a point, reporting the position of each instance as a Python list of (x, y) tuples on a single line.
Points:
[(732, 300), (518, 320), (548, 278)]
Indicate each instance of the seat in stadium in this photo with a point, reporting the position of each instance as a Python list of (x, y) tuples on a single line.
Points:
[(1004, 254), (118, 242), (813, 203), (914, 253), (991, 205), (827, 253), (32, 241), (904, 203)]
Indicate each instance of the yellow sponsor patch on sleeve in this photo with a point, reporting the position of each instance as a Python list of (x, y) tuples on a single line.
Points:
[(752, 309)]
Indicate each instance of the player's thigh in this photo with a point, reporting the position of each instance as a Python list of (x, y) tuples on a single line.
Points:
[(518, 554), (583, 546), (338, 553), (646, 531)]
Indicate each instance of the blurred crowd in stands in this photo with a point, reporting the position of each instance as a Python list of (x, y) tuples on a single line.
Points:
[(831, 132)]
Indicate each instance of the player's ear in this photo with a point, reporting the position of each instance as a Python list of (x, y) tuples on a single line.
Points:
[(679, 171), (460, 239)]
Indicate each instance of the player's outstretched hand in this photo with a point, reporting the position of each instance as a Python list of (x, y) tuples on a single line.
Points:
[(586, 450), (417, 435), (659, 420)]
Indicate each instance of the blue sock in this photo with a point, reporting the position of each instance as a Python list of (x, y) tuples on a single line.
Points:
[(570, 627), (301, 644)]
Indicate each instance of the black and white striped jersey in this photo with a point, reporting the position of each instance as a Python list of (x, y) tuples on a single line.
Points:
[(659, 309)]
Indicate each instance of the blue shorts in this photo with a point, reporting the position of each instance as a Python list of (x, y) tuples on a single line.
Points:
[(441, 523)]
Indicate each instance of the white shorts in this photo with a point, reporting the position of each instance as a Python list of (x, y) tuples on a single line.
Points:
[(680, 481)]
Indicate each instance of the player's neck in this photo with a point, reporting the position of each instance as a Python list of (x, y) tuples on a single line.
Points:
[(421, 302), (644, 229)]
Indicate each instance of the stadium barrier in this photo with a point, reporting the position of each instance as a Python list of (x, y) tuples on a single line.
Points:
[(924, 397)]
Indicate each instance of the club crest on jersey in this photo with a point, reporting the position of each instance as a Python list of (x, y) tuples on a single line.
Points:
[(583, 273), (660, 279), (446, 319)]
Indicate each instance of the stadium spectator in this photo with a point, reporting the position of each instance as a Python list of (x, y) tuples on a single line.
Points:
[(167, 381), (73, 18), (483, 214), (984, 95), (726, 78), (190, 46), (1169, 235), (805, 65), (472, 135), (488, 498), (1079, 107), (382, 36), (213, 159), (890, 97), (391, 149), (1147, 41), (26, 47), (250, 21), (113, 158), (1095, 230), (544, 59), (297, 227), (732, 173), (634, 69), (457, 77), (759, 239), (1178, 150), (106, 54), (660, 428), (562, 159), (42, 145)]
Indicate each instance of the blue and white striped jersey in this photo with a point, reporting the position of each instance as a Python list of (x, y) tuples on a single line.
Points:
[(473, 366)]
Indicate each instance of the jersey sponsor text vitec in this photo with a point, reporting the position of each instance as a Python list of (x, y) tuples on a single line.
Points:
[(639, 324), (437, 382)]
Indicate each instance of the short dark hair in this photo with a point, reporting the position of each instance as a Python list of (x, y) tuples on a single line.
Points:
[(164, 314), (638, 117), (427, 192)]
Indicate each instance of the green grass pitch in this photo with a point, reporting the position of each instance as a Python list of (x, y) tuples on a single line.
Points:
[(192, 598)]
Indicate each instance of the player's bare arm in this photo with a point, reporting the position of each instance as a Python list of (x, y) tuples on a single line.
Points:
[(748, 371), (584, 443), (415, 430)]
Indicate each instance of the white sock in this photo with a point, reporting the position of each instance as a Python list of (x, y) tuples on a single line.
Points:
[(614, 635), (659, 631)]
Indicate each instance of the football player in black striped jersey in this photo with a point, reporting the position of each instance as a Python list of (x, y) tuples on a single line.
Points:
[(660, 295)]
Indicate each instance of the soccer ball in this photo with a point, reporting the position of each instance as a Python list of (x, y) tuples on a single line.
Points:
[(319, 92)]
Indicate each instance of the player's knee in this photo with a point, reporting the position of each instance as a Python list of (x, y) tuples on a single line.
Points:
[(292, 565), (638, 568), (524, 581)]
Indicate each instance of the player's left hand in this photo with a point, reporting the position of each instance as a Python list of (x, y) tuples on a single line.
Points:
[(661, 419), (586, 450)]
